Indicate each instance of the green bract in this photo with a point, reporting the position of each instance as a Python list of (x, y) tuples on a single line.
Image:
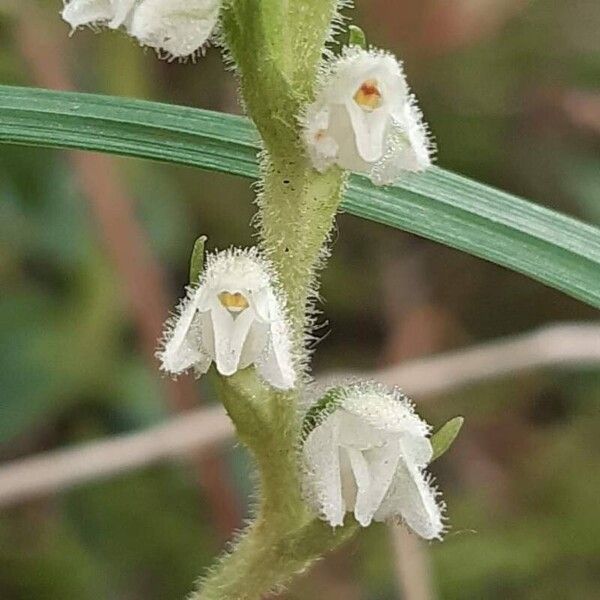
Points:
[(443, 438)]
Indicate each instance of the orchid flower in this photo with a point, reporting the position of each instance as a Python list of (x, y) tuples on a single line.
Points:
[(365, 451), (365, 119), (235, 317)]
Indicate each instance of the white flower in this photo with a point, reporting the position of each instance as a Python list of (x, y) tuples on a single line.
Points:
[(365, 451), (177, 27), (365, 119), (111, 13), (234, 317)]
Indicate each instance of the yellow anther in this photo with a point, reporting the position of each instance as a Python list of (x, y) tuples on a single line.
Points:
[(233, 302), (368, 96)]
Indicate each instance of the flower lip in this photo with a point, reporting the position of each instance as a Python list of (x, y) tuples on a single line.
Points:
[(368, 96), (234, 302)]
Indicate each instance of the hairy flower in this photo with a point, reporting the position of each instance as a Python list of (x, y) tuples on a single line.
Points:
[(234, 317), (177, 27), (365, 119), (364, 452), (109, 13)]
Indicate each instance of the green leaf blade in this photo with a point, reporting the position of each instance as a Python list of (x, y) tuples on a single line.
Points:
[(554, 249), (549, 247)]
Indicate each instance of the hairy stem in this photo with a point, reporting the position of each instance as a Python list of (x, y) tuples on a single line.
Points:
[(297, 209), (277, 47), (264, 559)]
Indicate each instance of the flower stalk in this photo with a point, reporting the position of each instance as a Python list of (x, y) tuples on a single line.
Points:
[(277, 48)]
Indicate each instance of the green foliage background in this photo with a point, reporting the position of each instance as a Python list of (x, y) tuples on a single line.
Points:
[(522, 480)]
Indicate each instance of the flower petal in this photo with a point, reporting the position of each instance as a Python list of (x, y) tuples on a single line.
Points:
[(277, 367), (391, 412), (121, 12), (181, 349), (381, 464), (178, 27), (362, 476), (322, 147), (356, 432), (230, 335), (255, 345), (414, 499), (322, 458), (369, 131), (87, 12)]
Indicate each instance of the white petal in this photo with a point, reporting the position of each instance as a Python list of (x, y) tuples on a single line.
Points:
[(260, 301), (348, 480), (181, 349), (322, 147), (419, 157), (121, 12), (409, 148), (387, 410), (178, 27), (230, 334), (369, 130), (381, 463), (356, 432), (87, 12), (255, 345), (414, 499), (277, 367), (360, 470), (321, 455), (277, 371), (202, 365), (342, 131)]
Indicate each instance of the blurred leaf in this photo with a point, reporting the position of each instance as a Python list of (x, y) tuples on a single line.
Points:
[(45, 560), (453, 210), (444, 437)]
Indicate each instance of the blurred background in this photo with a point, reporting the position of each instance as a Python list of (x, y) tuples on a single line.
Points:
[(94, 252)]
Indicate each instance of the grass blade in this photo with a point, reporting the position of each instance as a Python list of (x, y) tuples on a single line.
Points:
[(438, 205)]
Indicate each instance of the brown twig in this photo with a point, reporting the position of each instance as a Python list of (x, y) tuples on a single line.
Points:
[(20, 480)]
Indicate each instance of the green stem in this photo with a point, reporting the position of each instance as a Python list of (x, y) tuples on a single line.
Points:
[(277, 47), (267, 424), (297, 209), (285, 538), (264, 559)]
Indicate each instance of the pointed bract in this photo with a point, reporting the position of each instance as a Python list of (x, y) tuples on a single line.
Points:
[(365, 119), (234, 317), (367, 456)]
